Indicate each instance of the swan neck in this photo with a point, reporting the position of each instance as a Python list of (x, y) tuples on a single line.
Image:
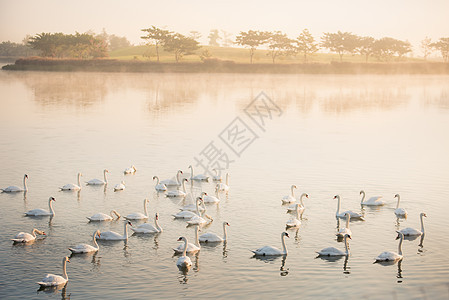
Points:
[(157, 225), (125, 231), (284, 247), (50, 206), (197, 207), (197, 242), (363, 197), (347, 221), (346, 245), (34, 232), (338, 205), (184, 186), (145, 207), (105, 178), (422, 224), (184, 253), (293, 193), (225, 232), (177, 178), (64, 269), (399, 199), (157, 178), (301, 201), (400, 245), (25, 188), (95, 240), (227, 178)]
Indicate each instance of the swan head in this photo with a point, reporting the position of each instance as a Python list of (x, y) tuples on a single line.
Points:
[(154, 177), (39, 232), (306, 195), (185, 179), (293, 186), (25, 176), (51, 199), (285, 234), (396, 196), (156, 216), (423, 215), (134, 167), (400, 235), (97, 233), (146, 201), (106, 170), (347, 236), (226, 224), (337, 197), (129, 223), (181, 238), (66, 259), (362, 192), (122, 182)]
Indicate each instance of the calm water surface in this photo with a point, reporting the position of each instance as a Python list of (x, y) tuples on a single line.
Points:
[(335, 135)]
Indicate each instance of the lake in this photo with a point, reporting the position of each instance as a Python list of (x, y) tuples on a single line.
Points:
[(328, 135)]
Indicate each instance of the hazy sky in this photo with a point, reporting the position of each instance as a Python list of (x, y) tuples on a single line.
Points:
[(410, 20)]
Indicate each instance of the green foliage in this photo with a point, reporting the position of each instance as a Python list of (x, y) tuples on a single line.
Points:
[(340, 42), (279, 44), (386, 48), (214, 36), (156, 36), (305, 43), (180, 45), (443, 46), (14, 49), (252, 39), (365, 46)]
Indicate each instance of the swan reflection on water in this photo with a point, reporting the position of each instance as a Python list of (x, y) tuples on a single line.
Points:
[(283, 270), (55, 290)]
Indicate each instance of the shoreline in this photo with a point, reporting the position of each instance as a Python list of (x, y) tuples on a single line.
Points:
[(221, 66)]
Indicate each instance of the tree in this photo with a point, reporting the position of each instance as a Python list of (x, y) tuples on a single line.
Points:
[(214, 36), (365, 46), (340, 42), (252, 39), (306, 44), (278, 43), (157, 36), (386, 48), (443, 46), (426, 47), (180, 45), (227, 39), (117, 42), (196, 35)]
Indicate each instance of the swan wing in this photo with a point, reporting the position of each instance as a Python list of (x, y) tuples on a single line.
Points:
[(52, 280), (210, 237), (38, 212), (110, 235), (95, 182), (410, 231), (83, 248), (12, 189), (267, 250)]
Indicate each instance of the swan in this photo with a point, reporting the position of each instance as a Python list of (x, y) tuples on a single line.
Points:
[(130, 170), (98, 181), (191, 248), (192, 208), (345, 231), (373, 201), (119, 186), (197, 219), (114, 236), (224, 187), (332, 251), (294, 222), (342, 215), (399, 212), (14, 189), (414, 232), (187, 214), (210, 237), (171, 182), (301, 204), (148, 228), (199, 177), (289, 198), (211, 199), (42, 212), (139, 216), (55, 280), (25, 237), (178, 193), (389, 256), (72, 186), (184, 261), (85, 248), (216, 177), (272, 251), (104, 217), (160, 187)]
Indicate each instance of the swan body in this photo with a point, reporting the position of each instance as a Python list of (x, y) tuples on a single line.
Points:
[(216, 177), (345, 231), (399, 212), (414, 232), (42, 212), (289, 198), (139, 216), (210, 237), (197, 219), (25, 237), (199, 177), (114, 236), (15, 189), (292, 207), (178, 193), (103, 217), (72, 186), (332, 251), (119, 186), (389, 256), (211, 199), (130, 170), (184, 261), (56, 280), (171, 182), (85, 248), (272, 251), (294, 222), (148, 228), (224, 187), (372, 201), (99, 181), (342, 215), (191, 248), (160, 187)]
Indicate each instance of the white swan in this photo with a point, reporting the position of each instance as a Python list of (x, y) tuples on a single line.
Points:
[(216, 177), (130, 170), (294, 222), (332, 251), (114, 236), (342, 215), (72, 186), (178, 193), (148, 228), (210, 237), (14, 189), (104, 217), (292, 207), (25, 237), (85, 248), (191, 248), (272, 251), (187, 214), (224, 187), (184, 261), (289, 198), (120, 186), (99, 181), (55, 280), (373, 201), (171, 182), (389, 256), (343, 231), (197, 219), (414, 232), (199, 177), (211, 199), (42, 212), (399, 212), (139, 216), (160, 187)]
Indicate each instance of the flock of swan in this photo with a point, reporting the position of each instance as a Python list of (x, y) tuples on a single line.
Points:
[(195, 214)]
